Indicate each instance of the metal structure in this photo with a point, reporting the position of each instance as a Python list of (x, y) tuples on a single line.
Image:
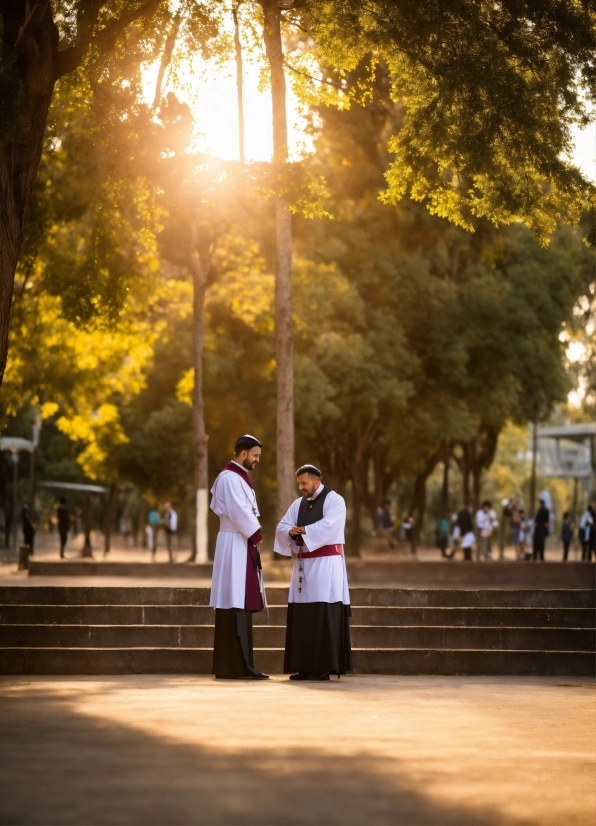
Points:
[(14, 445), (89, 491), (569, 452)]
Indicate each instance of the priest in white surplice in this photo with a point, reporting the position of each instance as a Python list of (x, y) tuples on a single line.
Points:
[(237, 586), (318, 626)]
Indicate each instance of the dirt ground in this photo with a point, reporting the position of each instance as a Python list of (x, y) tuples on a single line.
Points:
[(365, 750)]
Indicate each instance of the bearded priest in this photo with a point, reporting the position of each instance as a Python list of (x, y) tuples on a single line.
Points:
[(318, 625), (237, 589)]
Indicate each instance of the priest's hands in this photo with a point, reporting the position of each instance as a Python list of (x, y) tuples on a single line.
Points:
[(296, 531)]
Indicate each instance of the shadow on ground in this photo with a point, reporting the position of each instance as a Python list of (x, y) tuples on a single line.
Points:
[(61, 767)]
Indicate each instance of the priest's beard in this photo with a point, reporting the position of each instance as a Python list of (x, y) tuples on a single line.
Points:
[(248, 464)]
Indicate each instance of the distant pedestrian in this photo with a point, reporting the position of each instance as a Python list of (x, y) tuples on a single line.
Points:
[(464, 531), (170, 519), (566, 534), (442, 530), (587, 530), (541, 526), (63, 524), (77, 523), (519, 534), (385, 524), (407, 533), (592, 535), (486, 522), (28, 527), (153, 523)]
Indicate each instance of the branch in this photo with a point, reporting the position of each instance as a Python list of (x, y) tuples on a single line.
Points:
[(312, 77), (71, 58), (107, 37), (33, 15), (166, 59)]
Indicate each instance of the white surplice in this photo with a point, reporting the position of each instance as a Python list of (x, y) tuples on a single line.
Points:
[(325, 578), (236, 505)]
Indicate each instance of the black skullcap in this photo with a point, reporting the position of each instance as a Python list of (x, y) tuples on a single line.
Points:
[(309, 469), (246, 442)]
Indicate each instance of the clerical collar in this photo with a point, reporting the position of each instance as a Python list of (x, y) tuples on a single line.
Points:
[(234, 462), (316, 493)]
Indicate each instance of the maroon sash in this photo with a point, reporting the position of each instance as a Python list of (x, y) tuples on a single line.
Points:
[(325, 550)]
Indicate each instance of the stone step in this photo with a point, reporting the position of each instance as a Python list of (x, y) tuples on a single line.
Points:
[(361, 615), (201, 636), (403, 573), (366, 661), (277, 595)]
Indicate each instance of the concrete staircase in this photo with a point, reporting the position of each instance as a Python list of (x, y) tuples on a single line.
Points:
[(133, 630)]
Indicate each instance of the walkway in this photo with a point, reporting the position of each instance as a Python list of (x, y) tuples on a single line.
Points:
[(366, 750)]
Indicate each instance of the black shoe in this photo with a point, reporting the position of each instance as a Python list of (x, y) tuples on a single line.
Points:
[(318, 677), (300, 676), (260, 676)]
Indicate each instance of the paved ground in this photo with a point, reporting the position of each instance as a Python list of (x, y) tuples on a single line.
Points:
[(366, 750)]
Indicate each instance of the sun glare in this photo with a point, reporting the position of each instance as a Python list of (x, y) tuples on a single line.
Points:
[(211, 93)]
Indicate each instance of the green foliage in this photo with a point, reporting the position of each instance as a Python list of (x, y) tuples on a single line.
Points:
[(491, 92)]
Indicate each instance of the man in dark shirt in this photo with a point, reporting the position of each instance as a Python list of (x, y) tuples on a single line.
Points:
[(63, 524), (28, 526), (465, 524), (541, 525)]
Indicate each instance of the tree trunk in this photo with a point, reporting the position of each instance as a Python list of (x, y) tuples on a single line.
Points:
[(533, 473), (19, 161), (477, 482), (418, 501), (284, 340), (141, 519), (198, 268), (445, 488), (417, 508), (31, 64), (354, 536), (465, 472), (239, 81)]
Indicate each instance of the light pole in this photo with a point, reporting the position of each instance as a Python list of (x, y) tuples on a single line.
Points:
[(14, 455)]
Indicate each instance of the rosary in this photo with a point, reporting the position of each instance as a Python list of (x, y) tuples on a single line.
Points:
[(253, 504)]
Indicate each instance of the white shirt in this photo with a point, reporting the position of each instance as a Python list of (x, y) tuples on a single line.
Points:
[(172, 518), (485, 522)]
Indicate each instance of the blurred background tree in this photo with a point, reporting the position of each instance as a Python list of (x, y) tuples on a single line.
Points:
[(422, 329)]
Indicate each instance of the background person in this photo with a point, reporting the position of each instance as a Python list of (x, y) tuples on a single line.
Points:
[(153, 523), (486, 522), (63, 524), (541, 526), (170, 522), (464, 527), (566, 534), (586, 526), (385, 525), (28, 527), (442, 529)]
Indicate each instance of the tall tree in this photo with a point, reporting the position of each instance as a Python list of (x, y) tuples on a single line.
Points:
[(284, 350), (43, 42)]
